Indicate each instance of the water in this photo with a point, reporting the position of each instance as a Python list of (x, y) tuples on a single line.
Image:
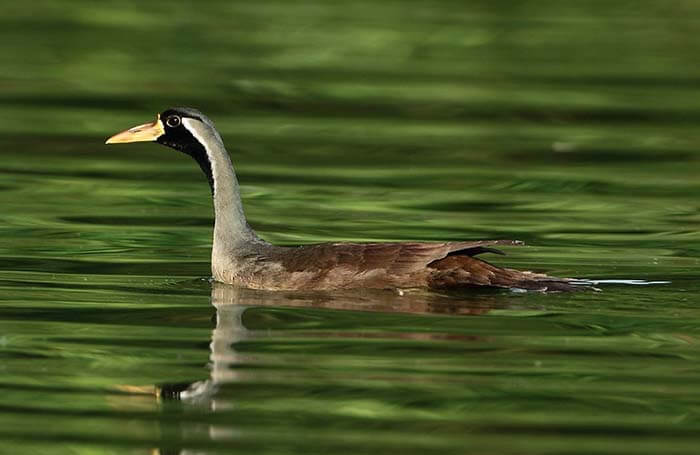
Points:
[(571, 127)]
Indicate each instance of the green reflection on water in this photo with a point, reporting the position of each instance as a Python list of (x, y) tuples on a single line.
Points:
[(570, 126)]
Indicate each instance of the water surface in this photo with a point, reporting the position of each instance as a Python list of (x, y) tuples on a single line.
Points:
[(570, 127)]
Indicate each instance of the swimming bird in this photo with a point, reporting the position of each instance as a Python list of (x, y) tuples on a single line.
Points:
[(240, 257)]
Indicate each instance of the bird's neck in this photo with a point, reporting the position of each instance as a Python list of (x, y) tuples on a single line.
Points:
[(232, 234), (231, 230)]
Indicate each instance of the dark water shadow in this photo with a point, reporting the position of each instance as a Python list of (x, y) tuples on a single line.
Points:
[(416, 301)]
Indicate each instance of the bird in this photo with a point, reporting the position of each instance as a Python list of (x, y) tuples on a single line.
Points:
[(240, 257)]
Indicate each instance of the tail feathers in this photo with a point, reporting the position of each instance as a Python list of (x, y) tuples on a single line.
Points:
[(454, 272), (549, 284)]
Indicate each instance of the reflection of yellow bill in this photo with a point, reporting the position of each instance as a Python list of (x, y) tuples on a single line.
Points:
[(141, 133)]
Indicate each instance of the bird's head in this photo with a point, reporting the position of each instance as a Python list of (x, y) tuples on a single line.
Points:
[(182, 128)]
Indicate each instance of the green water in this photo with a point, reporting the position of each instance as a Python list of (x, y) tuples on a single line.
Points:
[(569, 125)]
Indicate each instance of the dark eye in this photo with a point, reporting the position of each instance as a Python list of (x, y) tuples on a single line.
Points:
[(173, 121)]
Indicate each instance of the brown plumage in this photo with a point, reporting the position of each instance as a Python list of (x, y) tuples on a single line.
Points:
[(242, 258), (328, 266)]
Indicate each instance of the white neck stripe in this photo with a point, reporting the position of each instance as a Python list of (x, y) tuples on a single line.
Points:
[(189, 125)]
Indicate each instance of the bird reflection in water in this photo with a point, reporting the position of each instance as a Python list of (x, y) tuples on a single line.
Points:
[(232, 303)]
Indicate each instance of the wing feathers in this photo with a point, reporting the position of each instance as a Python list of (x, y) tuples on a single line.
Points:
[(329, 266)]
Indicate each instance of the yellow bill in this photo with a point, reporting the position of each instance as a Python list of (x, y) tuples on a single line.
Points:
[(141, 133)]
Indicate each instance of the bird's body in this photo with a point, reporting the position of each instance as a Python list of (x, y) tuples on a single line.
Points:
[(241, 257), (402, 265)]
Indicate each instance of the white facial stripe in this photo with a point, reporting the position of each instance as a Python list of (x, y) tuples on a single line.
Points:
[(192, 126)]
